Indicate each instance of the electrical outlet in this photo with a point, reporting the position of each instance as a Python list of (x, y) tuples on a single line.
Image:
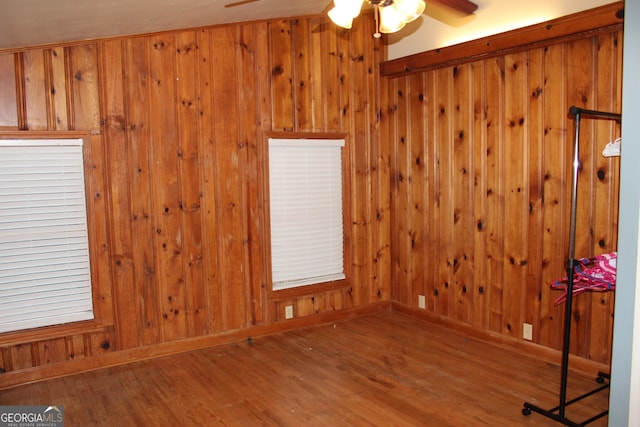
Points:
[(421, 301), (527, 331), (288, 312)]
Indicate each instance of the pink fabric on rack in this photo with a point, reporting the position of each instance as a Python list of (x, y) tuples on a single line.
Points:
[(591, 274)]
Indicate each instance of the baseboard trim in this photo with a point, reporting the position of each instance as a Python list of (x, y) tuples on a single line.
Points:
[(548, 355)]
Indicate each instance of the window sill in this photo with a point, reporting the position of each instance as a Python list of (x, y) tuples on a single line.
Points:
[(308, 290), (51, 332)]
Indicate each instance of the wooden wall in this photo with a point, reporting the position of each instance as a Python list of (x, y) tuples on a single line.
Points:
[(175, 178), (481, 185)]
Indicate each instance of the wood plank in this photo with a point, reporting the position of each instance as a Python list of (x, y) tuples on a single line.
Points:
[(21, 357), (282, 73), (479, 173), (403, 179), (607, 185), (75, 347), (535, 165), (317, 72), (52, 351), (59, 89), (418, 204), (390, 127), (255, 289), (346, 124), (261, 310), (305, 306), (557, 173), (581, 92), (371, 59), (137, 86), (211, 281), (118, 177), (380, 180), (97, 223), (5, 360), (358, 201), (165, 187), (302, 79), (462, 142), (516, 191), (34, 89), (229, 170), (190, 203), (432, 161), (494, 116), (101, 342), (443, 200), (8, 102), (331, 60), (84, 84)]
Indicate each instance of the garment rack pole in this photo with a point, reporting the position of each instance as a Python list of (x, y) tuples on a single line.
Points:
[(558, 413)]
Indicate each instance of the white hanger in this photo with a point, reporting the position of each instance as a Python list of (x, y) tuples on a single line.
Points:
[(612, 149)]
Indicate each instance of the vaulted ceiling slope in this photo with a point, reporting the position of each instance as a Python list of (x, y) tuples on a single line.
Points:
[(39, 22)]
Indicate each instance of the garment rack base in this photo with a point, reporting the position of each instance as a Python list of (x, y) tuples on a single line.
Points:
[(557, 413)]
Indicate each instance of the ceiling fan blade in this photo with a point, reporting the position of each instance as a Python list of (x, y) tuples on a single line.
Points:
[(463, 6), (240, 3)]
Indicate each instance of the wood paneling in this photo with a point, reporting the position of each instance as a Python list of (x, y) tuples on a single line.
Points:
[(458, 181), (482, 165), (175, 176)]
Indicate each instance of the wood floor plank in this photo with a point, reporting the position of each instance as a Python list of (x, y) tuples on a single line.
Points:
[(386, 369)]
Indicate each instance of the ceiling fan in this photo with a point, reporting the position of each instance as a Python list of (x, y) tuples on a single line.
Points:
[(463, 6), (240, 3), (391, 15)]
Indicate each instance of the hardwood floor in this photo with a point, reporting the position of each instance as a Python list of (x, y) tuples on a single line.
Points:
[(387, 369)]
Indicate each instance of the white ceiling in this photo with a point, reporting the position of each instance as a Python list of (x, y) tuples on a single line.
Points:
[(43, 22), (38, 22), (437, 29)]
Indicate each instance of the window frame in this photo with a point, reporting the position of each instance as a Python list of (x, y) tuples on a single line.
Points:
[(346, 216), (80, 326)]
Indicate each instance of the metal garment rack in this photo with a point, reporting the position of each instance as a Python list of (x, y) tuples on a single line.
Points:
[(558, 413)]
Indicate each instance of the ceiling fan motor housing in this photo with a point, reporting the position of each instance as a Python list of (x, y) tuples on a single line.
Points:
[(382, 3)]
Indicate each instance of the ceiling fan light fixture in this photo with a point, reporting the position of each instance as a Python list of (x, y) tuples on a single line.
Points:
[(391, 19), (344, 11), (390, 15), (409, 9), (339, 18), (352, 7)]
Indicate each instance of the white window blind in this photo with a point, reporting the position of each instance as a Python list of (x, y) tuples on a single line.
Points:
[(305, 185), (44, 256)]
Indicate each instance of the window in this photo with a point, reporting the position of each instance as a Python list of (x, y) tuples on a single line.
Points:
[(44, 254), (306, 212)]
